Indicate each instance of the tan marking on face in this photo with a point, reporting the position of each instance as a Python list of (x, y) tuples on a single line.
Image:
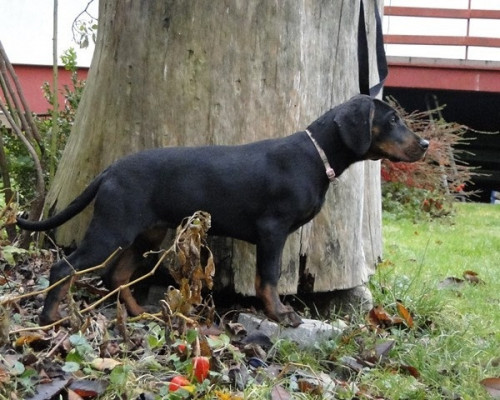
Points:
[(376, 130)]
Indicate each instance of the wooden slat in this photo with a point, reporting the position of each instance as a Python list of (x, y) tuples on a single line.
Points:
[(443, 40), (441, 12), (486, 14)]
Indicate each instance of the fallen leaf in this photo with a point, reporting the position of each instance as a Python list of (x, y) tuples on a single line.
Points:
[(50, 390), (254, 350), (310, 386), (383, 349), (226, 396), (236, 328), (381, 314), (278, 392), (378, 317), (472, 277), (4, 376), (405, 314), (410, 370), (88, 388), (74, 396), (28, 339), (492, 386), (352, 363), (104, 364)]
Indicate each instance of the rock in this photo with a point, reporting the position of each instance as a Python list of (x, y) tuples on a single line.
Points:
[(309, 333), (351, 300)]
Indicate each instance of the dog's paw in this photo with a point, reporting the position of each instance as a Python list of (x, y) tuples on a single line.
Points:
[(46, 318), (289, 317)]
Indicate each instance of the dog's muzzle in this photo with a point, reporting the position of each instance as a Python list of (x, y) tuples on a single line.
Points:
[(424, 144)]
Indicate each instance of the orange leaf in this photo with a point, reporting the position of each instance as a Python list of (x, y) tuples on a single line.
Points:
[(492, 386), (472, 277), (405, 314), (378, 317), (28, 340), (410, 370)]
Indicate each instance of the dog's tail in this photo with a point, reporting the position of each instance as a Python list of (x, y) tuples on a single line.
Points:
[(74, 208)]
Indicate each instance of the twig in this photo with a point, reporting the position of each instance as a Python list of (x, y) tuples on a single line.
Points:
[(186, 224), (93, 305), (26, 117), (60, 281), (121, 287), (58, 344)]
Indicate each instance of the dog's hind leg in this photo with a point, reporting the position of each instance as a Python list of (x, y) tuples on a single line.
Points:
[(130, 260), (58, 271), (94, 250)]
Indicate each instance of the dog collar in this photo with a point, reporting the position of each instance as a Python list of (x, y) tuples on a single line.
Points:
[(330, 173)]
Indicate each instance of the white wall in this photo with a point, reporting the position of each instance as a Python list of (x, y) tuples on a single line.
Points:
[(26, 29)]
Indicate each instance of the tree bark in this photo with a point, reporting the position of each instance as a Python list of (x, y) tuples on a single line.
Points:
[(169, 73)]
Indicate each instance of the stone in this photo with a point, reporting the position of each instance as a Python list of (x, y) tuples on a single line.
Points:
[(309, 333)]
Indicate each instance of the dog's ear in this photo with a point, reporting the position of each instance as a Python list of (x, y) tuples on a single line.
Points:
[(354, 119)]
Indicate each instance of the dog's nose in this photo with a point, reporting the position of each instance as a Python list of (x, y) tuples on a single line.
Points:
[(424, 144)]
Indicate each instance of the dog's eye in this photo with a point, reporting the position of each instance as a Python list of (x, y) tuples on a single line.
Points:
[(393, 120)]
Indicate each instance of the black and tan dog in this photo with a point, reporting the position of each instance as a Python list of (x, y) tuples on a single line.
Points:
[(258, 192)]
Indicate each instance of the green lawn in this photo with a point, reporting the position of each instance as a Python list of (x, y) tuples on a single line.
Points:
[(456, 341)]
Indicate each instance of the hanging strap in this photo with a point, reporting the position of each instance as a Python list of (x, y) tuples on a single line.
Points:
[(363, 54)]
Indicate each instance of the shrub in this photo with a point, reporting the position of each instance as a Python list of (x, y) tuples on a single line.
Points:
[(430, 185)]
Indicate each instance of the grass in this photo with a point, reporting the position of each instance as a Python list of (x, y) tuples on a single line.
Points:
[(455, 343), (452, 345)]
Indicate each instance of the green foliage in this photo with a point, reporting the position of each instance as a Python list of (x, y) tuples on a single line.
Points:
[(12, 253), (402, 201), (65, 117), (119, 377), (85, 28), (20, 163)]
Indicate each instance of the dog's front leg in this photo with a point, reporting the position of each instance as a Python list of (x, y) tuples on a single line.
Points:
[(269, 251)]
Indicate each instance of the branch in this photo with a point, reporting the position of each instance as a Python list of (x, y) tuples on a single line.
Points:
[(185, 226), (26, 117)]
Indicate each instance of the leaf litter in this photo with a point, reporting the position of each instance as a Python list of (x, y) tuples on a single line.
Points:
[(105, 353)]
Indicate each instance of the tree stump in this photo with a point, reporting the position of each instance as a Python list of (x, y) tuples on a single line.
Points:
[(170, 73)]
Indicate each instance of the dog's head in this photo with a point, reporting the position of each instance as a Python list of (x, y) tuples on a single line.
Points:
[(372, 129)]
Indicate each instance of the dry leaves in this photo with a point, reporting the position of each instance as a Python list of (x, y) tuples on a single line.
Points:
[(378, 317), (492, 386), (452, 282)]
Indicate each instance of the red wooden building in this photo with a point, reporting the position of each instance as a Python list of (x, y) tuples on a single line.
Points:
[(460, 68)]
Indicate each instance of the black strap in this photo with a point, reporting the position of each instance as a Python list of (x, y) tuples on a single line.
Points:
[(363, 55)]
